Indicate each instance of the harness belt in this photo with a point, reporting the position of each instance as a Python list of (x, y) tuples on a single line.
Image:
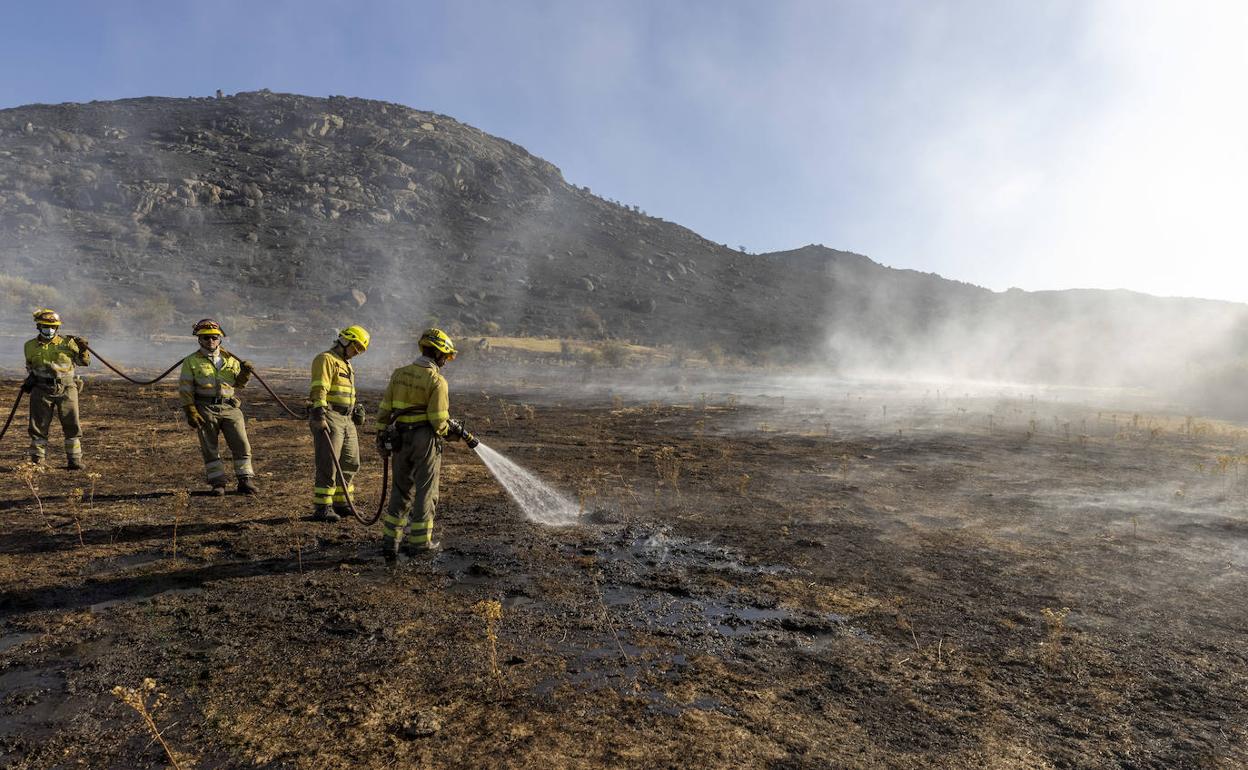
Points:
[(218, 401)]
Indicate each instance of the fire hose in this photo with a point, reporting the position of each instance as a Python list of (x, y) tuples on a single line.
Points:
[(385, 469), (127, 377), (169, 371), (12, 412), (342, 480), (456, 429)]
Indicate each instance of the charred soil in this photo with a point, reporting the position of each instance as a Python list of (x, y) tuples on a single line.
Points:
[(748, 587)]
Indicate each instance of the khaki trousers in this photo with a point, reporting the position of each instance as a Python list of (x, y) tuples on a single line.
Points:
[(417, 464), (227, 420), (59, 400), (344, 443)]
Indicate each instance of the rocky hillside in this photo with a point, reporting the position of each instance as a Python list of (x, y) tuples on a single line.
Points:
[(288, 216), (305, 211)]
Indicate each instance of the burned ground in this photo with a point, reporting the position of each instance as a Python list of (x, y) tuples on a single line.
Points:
[(857, 582)]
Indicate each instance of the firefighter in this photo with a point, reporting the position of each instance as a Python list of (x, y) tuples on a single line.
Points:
[(206, 386), (417, 404), (332, 410), (53, 388)]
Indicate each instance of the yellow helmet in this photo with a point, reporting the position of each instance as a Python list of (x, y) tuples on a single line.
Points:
[(357, 334), (208, 327), (439, 341), (47, 317)]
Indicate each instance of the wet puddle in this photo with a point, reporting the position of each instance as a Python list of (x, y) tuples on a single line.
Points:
[(34, 700), (624, 667), (9, 641), (694, 617), (660, 548), (110, 603), (113, 564)]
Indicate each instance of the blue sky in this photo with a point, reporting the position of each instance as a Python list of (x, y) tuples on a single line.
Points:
[(1005, 143)]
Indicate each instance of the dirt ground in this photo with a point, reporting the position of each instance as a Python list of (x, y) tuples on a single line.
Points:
[(849, 581)]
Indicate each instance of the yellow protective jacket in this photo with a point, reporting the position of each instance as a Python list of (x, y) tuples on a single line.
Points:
[(333, 383), (54, 358), (200, 377), (414, 386)]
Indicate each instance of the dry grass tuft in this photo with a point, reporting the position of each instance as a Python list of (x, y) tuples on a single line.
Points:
[(181, 502), (145, 699), (73, 501), (667, 465), (28, 473), (491, 611), (1055, 625)]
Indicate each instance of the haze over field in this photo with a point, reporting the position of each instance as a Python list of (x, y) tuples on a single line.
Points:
[(1041, 146)]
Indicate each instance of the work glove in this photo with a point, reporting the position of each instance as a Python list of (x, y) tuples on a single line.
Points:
[(358, 414), (382, 449), (245, 370), (193, 417), (84, 356), (316, 419), (28, 384)]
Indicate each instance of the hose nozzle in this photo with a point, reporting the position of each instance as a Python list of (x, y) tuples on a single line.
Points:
[(456, 429)]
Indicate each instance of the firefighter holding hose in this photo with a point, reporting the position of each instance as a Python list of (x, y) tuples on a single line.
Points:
[(206, 386), (412, 421), (333, 416), (53, 388)]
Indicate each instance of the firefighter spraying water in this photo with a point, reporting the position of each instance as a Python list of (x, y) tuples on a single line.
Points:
[(413, 424)]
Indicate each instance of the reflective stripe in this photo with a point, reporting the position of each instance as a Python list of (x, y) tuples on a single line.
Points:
[(332, 381), (397, 404), (325, 490), (420, 536), (39, 441), (201, 377)]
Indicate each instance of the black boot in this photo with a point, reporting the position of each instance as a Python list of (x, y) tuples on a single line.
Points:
[(217, 490), (425, 549), (322, 512), (390, 552), (247, 486), (74, 464)]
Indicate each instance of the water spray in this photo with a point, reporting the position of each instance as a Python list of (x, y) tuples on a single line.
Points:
[(538, 500)]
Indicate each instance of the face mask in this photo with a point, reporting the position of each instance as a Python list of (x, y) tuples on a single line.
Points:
[(47, 332)]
